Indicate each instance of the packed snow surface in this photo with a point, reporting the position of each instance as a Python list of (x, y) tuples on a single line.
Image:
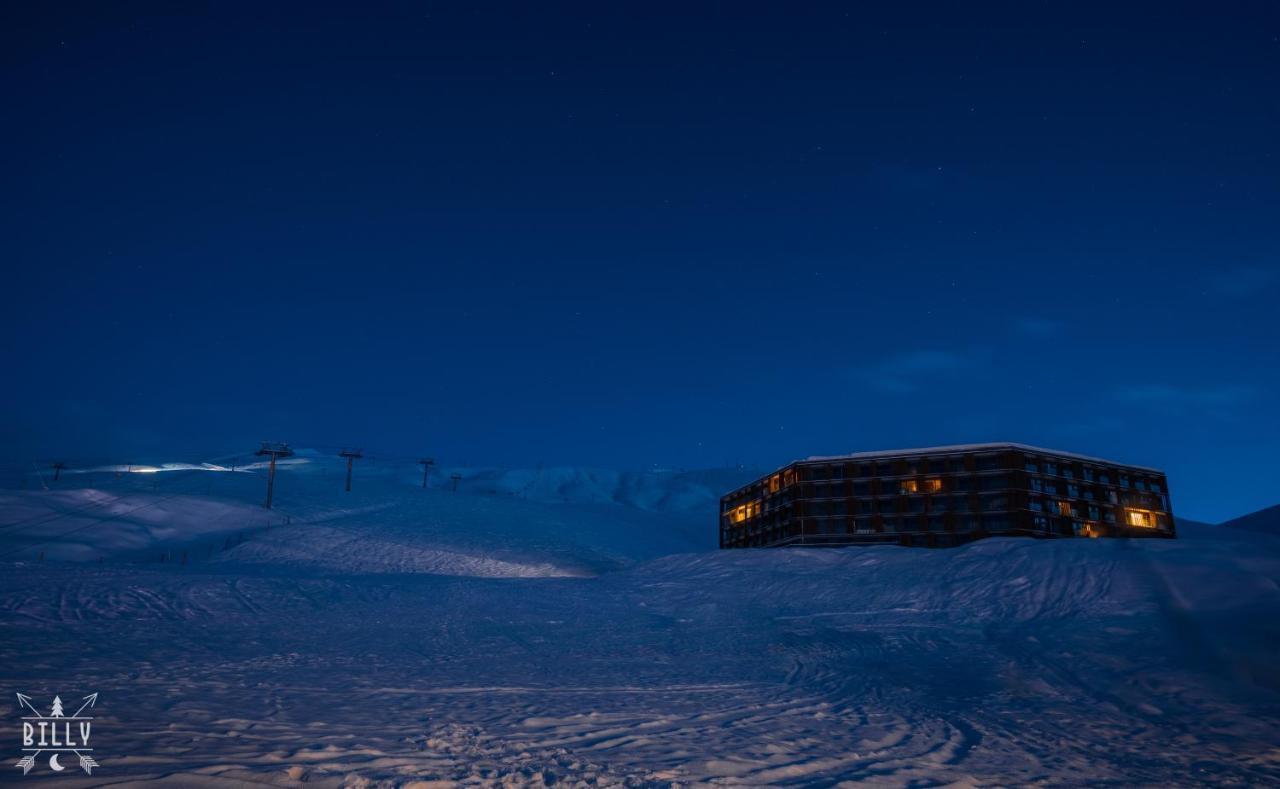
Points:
[(569, 627)]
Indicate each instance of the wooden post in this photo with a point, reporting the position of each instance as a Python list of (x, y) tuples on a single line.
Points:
[(273, 451), (350, 455)]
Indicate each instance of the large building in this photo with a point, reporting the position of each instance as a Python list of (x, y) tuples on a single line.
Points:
[(946, 496)]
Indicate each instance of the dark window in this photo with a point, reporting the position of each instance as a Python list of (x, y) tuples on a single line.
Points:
[(1051, 469), (995, 503), (1088, 474), (1032, 465), (866, 507), (837, 472), (960, 503), (937, 467), (839, 507), (957, 465), (997, 524), (864, 470), (962, 483), (995, 483), (862, 488), (884, 469), (1073, 491), (988, 462), (915, 504), (887, 505), (1124, 480)]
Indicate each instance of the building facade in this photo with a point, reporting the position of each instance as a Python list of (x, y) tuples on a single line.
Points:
[(941, 496)]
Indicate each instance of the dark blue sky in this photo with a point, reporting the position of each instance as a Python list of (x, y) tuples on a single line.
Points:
[(625, 235)]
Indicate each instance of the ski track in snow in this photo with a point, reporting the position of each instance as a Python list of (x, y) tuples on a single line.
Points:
[(486, 639)]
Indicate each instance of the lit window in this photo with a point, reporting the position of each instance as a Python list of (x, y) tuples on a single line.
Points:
[(744, 512), (775, 482), (1140, 518), (932, 485), (908, 486), (1064, 508)]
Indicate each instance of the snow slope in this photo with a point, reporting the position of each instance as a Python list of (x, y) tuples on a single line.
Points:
[(518, 523), (375, 640), (1265, 521)]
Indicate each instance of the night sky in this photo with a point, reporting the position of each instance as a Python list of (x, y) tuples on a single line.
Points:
[(628, 235)]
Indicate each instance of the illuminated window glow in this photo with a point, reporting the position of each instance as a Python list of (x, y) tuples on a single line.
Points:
[(1141, 518), (744, 512), (909, 486), (932, 485)]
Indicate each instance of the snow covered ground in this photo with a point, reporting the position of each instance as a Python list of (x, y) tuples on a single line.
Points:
[(572, 627)]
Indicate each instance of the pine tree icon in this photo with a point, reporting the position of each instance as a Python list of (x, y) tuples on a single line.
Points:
[(57, 707)]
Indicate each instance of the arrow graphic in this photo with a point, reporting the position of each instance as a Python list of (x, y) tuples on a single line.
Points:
[(27, 762), (86, 762), (89, 701), (25, 701)]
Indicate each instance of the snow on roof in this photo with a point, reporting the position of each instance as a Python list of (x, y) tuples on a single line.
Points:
[(953, 448)]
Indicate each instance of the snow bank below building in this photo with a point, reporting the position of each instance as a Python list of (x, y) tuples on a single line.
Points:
[(1006, 662)]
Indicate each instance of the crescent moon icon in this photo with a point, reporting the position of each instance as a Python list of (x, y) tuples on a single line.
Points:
[(53, 763)]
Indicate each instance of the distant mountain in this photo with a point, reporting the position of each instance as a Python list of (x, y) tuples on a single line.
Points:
[(1187, 523), (1262, 522)]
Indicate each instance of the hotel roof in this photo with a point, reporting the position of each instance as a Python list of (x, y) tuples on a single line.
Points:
[(957, 448)]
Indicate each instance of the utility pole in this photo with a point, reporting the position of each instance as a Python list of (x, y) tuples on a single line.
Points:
[(350, 455), (455, 478), (57, 470), (426, 463), (273, 450)]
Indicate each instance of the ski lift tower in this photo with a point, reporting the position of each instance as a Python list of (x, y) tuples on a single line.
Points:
[(350, 455), (426, 464), (273, 450)]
